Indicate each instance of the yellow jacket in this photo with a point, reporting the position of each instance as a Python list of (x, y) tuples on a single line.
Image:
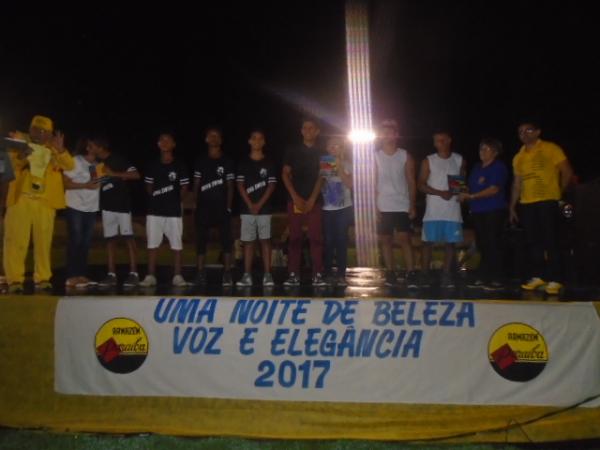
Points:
[(53, 191)]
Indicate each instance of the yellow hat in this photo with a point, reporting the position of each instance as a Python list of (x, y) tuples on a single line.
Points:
[(42, 122)]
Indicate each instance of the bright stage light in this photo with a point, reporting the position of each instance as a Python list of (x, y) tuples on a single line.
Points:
[(361, 136)]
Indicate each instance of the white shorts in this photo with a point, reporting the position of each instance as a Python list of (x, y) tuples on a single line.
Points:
[(159, 226), (253, 225), (116, 224)]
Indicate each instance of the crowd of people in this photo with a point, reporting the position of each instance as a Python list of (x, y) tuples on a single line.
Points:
[(42, 176)]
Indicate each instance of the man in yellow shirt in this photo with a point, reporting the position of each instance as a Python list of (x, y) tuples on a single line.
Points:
[(541, 174), (33, 198)]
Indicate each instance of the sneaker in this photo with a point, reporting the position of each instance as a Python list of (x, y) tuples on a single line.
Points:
[(200, 279), (148, 281), (411, 280), (553, 288), (424, 280), (340, 281), (318, 280), (227, 279), (179, 281), (476, 284), (533, 284), (109, 281), (330, 280), (15, 288), (493, 286), (293, 280), (447, 282), (85, 282), (245, 281), (390, 278), (132, 280), (44, 285), (72, 282), (268, 280)]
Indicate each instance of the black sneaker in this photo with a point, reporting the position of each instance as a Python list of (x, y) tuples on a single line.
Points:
[(411, 280), (424, 280), (200, 279), (293, 280), (390, 278), (493, 286), (227, 279), (132, 280), (109, 281), (447, 282), (476, 284), (340, 281), (318, 280)]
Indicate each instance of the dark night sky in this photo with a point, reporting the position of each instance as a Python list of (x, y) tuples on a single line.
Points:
[(477, 67)]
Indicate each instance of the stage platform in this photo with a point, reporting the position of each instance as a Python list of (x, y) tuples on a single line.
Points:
[(362, 283), (361, 362)]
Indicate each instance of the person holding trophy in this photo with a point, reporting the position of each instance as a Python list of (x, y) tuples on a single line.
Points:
[(38, 159)]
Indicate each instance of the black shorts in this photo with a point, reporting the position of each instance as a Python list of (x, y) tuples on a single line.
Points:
[(391, 221)]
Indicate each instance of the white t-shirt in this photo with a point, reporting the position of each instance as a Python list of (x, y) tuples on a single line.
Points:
[(437, 208), (85, 200), (336, 195), (392, 186)]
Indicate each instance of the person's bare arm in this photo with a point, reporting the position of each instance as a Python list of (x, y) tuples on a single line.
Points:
[(310, 203), (230, 190), (128, 175), (286, 176), (149, 188), (425, 188), (566, 174), (70, 184), (514, 198), (265, 197), (410, 175), (344, 176), (242, 190)]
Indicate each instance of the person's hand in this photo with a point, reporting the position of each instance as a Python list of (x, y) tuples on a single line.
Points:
[(464, 197), (513, 217), (309, 205), (446, 195), (92, 185), (255, 209), (299, 203), (412, 213), (58, 142)]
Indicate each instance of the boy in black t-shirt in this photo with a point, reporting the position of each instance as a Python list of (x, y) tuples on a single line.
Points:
[(115, 204), (166, 184), (213, 190), (256, 182)]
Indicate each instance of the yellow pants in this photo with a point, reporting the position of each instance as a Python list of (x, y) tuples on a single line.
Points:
[(28, 216)]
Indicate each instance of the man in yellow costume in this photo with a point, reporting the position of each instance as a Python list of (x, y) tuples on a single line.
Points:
[(33, 198)]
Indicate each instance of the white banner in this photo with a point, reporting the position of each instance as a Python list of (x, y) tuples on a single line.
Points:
[(338, 350)]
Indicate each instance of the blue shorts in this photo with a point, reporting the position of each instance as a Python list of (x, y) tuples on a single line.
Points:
[(442, 231)]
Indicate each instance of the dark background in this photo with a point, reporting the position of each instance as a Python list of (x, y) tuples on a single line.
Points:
[(475, 67)]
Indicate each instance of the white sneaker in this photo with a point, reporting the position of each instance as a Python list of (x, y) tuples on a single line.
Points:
[(179, 281), (268, 280), (149, 281), (245, 281)]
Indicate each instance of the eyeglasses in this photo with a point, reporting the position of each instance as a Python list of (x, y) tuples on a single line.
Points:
[(526, 130)]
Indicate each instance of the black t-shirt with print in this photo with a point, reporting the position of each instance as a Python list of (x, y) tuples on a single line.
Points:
[(213, 175), (166, 181), (114, 191), (256, 176)]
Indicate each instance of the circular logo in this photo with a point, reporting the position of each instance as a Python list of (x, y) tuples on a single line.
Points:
[(517, 352), (121, 345)]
